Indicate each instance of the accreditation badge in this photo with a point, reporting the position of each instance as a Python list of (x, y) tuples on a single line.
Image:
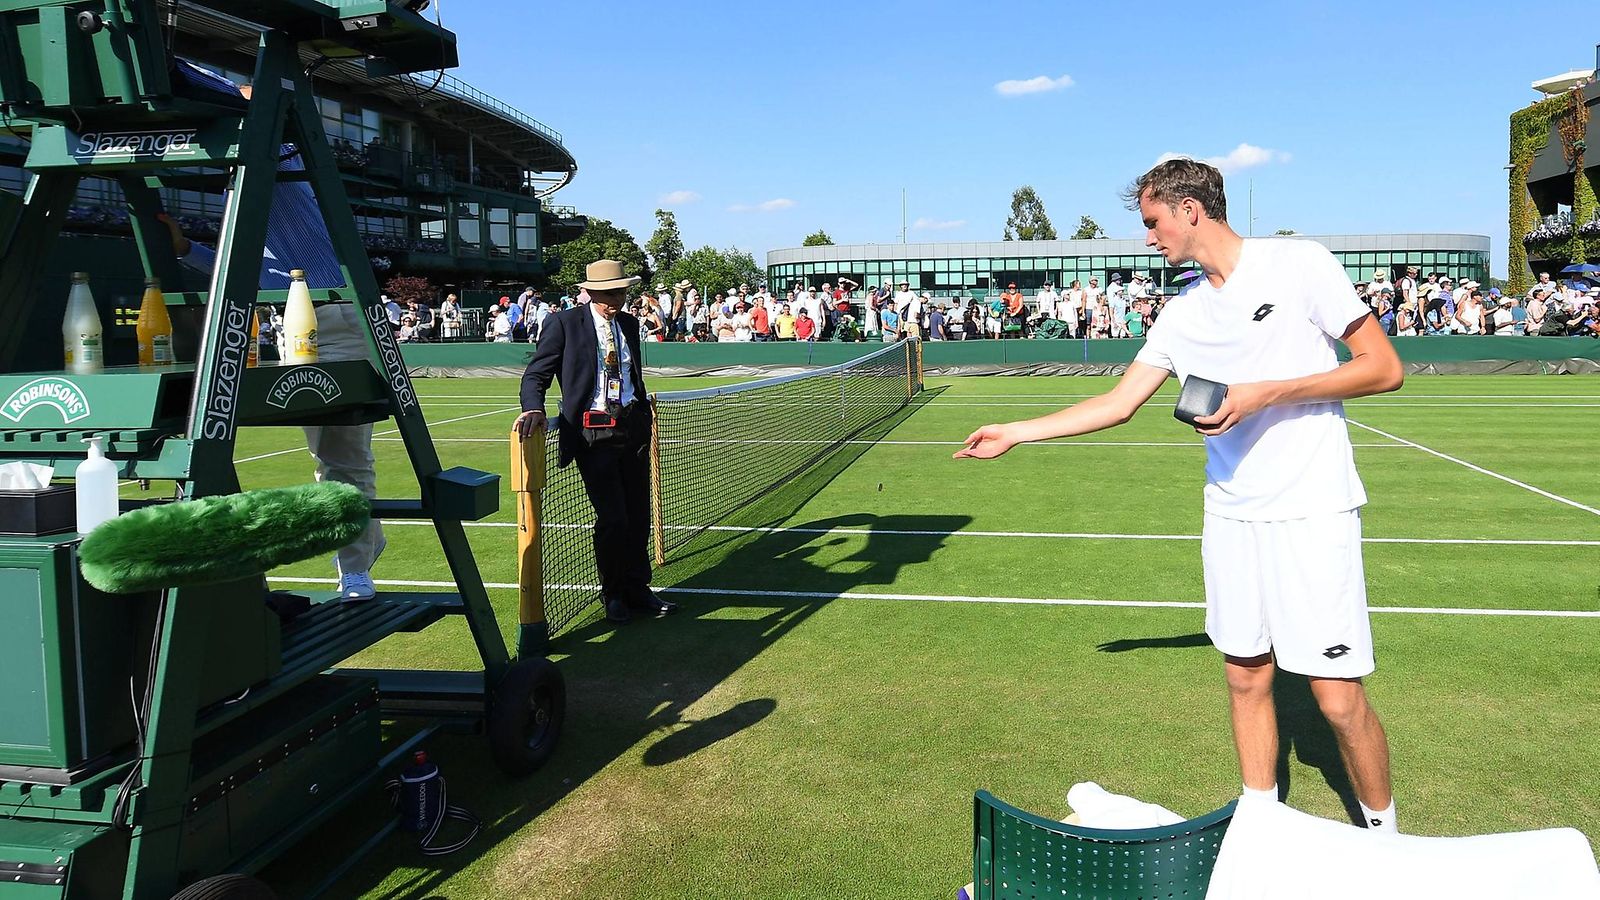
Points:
[(614, 390)]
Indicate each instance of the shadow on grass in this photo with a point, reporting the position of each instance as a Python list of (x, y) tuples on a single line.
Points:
[(1155, 643), (636, 684), (1303, 732)]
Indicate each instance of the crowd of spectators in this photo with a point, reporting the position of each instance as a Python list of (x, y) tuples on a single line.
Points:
[(1435, 305), (1411, 305)]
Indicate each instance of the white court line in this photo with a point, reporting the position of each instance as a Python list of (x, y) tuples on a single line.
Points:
[(946, 598), (1196, 444), (1063, 535), (1479, 469), (390, 431)]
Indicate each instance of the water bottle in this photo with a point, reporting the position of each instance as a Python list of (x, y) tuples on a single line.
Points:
[(96, 486), (420, 808)]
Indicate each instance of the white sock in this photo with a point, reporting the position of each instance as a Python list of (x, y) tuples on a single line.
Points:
[(1270, 793), (1380, 819)]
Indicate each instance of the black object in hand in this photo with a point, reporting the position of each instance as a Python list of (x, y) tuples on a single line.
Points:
[(1199, 397)]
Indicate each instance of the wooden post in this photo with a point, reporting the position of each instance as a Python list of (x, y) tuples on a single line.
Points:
[(527, 485), (919, 365), (657, 513)]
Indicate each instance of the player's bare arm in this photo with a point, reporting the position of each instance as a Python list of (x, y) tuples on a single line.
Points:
[(1374, 368), (1110, 409)]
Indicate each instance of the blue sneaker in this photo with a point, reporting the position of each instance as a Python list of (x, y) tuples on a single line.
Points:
[(355, 587)]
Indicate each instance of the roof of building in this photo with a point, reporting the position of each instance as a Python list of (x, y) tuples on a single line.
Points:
[(451, 108)]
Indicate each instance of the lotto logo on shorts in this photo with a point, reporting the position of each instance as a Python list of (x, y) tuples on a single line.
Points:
[(1336, 651)]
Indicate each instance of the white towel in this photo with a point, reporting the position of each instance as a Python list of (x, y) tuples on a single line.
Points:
[(1097, 807), (1273, 852)]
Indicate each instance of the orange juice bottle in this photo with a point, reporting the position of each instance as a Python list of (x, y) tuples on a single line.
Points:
[(253, 355), (154, 327)]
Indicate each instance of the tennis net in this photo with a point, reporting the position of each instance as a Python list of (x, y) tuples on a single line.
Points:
[(717, 450)]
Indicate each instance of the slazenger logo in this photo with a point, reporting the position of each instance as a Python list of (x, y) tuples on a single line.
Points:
[(304, 378), (60, 393), (156, 144), (394, 365), (226, 372)]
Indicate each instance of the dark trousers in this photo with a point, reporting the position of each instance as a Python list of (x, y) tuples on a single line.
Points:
[(617, 479)]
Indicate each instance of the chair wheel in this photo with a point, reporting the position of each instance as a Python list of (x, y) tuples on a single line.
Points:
[(528, 708), (226, 887)]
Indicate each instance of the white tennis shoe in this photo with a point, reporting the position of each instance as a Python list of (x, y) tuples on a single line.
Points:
[(355, 587)]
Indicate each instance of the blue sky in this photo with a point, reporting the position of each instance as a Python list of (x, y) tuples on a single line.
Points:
[(758, 123)]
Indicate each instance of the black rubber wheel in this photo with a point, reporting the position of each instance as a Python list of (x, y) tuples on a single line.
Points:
[(529, 705), (226, 887)]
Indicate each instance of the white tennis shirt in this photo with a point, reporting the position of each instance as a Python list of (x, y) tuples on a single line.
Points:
[(1275, 318)]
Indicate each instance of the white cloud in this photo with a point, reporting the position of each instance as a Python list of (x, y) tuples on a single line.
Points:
[(678, 198), (927, 224), (1244, 156), (1037, 85), (773, 205)]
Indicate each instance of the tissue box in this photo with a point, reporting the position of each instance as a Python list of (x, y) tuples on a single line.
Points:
[(52, 510)]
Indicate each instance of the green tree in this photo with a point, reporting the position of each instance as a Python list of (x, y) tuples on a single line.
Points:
[(600, 240), (1088, 230), (712, 270), (1027, 221), (1285, 232), (818, 238), (665, 245)]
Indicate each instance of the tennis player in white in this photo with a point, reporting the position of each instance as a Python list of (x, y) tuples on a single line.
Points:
[(1281, 545)]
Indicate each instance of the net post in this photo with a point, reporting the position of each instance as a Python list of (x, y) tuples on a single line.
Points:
[(919, 364), (657, 524), (527, 485), (911, 369)]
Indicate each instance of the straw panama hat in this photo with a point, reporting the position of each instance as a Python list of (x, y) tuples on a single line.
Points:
[(684, 284), (606, 275)]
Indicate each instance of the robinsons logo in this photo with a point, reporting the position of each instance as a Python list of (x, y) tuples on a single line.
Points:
[(66, 397), (140, 144), (303, 378)]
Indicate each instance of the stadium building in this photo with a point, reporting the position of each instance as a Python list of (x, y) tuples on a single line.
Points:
[(962, 269), (1554, 178), (446, 181)]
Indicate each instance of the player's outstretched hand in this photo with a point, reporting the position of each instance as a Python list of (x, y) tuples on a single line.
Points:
[(986, 443), (1242, 401)]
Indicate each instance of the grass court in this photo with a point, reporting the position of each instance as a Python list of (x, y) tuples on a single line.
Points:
[(883, 637)]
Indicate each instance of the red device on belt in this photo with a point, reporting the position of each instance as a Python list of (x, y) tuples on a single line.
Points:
[(597, 418)]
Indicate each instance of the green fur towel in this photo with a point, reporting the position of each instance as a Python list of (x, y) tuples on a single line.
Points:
[(215, 539)]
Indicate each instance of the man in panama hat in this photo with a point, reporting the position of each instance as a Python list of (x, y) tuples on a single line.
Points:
[(604, 425)]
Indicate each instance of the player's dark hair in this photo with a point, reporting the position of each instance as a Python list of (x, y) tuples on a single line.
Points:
[(1176, 180)]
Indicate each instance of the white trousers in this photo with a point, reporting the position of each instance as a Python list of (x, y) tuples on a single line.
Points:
[(344, 452)]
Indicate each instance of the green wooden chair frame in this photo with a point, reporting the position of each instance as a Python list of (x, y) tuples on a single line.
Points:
[(1017, 855)]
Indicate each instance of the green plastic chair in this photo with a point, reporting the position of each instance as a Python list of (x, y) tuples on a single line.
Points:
[(1017, 855)]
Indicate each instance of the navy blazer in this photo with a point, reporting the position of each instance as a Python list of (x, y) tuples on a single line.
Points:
[(569, 351)]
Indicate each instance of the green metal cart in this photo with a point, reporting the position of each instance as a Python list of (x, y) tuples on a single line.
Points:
[(171, 743)]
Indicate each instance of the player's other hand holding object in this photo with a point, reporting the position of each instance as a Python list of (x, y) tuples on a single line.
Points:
[(1243, 400), (986, 443)]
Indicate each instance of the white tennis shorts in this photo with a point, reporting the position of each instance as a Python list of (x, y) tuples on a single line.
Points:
[(1296, 588)]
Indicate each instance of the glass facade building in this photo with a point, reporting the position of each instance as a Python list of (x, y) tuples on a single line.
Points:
[(967, 269)]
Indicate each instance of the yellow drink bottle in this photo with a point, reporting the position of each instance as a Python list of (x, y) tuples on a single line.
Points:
[(80, 330), (300, 321), (154, 327)]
